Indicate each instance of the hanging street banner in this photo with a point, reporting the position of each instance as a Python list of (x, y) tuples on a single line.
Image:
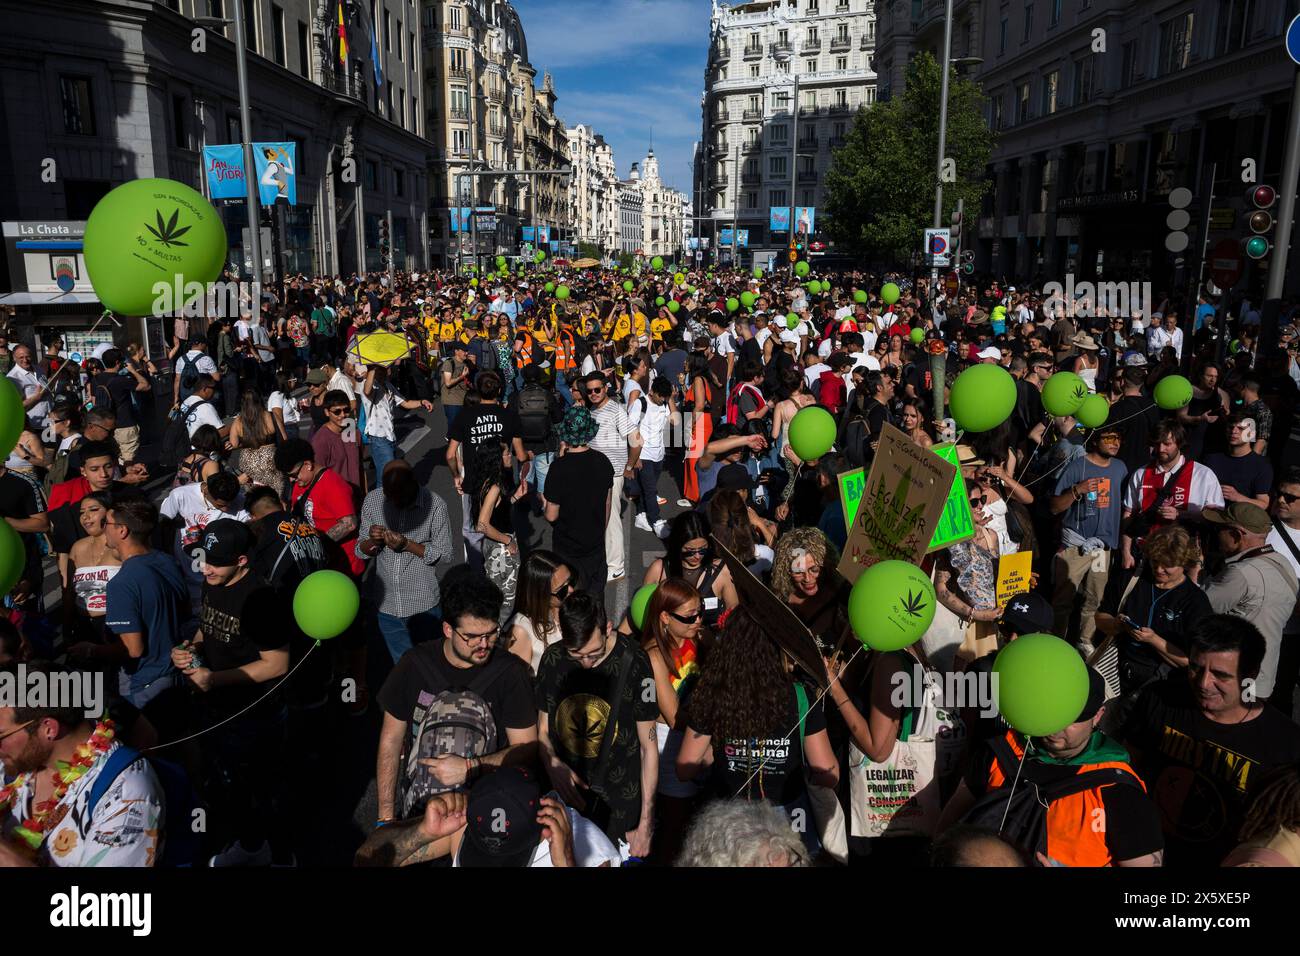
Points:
[(957, 523), (223, 167), (460, 219)]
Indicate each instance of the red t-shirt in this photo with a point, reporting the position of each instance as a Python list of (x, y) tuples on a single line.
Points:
[(68, 492), (329, 503)]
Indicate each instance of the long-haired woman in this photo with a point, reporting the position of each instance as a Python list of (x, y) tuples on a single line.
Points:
[(698, 403), (741, 531), (689, 556), (207, 452), (493, 493), (254, 433), (91, 565), (544, 581), (671, 635)]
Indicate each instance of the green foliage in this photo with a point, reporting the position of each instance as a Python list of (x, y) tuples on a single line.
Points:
[(880, 187), (589, 250), (626, 260)]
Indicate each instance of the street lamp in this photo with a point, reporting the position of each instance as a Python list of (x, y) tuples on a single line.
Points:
[(787, 57)]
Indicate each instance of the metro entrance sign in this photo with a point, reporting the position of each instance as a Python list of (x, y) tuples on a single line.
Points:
[(1225, 263)]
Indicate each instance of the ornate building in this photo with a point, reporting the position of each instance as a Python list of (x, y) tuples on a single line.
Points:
[(630, 206), (661, 205), (593, 189)]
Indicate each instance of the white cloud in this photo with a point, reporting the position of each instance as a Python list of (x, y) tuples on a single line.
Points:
[(583, 33)]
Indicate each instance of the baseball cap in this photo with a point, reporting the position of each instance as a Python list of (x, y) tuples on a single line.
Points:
[(1028, 613), (1240, 514), (316, 377), (1096, 695), (734, 477), (225, 541), (501, 820), (991, 353)]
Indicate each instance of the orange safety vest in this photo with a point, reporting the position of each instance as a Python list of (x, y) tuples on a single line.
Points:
[(565, 350), (1076, 830), (525, 354)]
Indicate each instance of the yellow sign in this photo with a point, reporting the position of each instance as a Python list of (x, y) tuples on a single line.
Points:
[(1013, 575)]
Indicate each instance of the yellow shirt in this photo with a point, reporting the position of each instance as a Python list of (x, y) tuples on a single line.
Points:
[(622, 328), (658, 327)]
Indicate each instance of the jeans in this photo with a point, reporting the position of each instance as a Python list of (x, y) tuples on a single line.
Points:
[(451, 411), (399, 632), (473, 539), (230, 392), (647, 482), (537, 473), (562, 389), (382, 451)]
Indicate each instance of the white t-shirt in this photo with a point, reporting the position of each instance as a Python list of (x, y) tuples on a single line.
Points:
[(29, 383), (197, 413), (1204, 491), (843, 312), (724, 343), (591, 848), (188, 504), (866, 360), (341, 382), (288, 407), (201, 362), (652, 425), (825, 348), (814, 372)]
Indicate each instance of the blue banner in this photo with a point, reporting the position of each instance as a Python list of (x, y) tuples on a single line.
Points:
[(724, 238), (805, 220), (543, 235), (459, 219), (779, 218), (530, 234), (224, 168), (276, 179), (555, 245)]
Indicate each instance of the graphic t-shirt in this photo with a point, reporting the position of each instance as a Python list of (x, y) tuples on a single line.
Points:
[(1172, 613), (194, 510), (1099, 518), (476, 425), (238, 622), (579, 704), (329, 503), (1199, 771), (737, 763)]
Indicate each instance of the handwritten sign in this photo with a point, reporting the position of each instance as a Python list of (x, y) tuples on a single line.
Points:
[(852, 484), (957, 523), (1013, 575), (901, 505)]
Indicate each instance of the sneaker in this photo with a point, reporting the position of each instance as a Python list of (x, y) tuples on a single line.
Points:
[(642, 522), (615, 576), (662, 529), (237, 855), (683, 503), (662, 502)]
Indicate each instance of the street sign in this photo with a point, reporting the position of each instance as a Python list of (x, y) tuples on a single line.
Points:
[(1225, 263), (936, 245), (794, 256), (1293, 41), (699, 256)]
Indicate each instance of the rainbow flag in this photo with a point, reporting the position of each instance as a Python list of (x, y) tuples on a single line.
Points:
[(343, 38)]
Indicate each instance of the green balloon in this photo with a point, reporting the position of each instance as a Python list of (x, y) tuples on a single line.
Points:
[(733, 305), (891, 605), (680, 278), (860, 297), (492, 277), (1042, 684), (889, 293), (802, 268), (627, 286), (13, 557), (747, 299), (151, 231), (562, 292), (758, 272), (657, 263), (814, 287), (1173, 392), (501, 260), (690, 289), (659, 300), (673, 305), (12, 417), (1063, 393), (325, 603), (982, 398), (550, 287), (791, 321), (540, 256), (812, 432), (917, 336), (1093, 412), (640, 601), (473, 283)]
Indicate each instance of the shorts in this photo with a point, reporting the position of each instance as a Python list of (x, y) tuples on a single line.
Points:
[(128, 441)]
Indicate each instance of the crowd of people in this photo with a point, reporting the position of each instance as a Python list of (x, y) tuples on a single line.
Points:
[(526, 721)]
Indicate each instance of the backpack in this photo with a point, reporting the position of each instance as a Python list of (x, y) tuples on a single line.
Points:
[(1024, 807), (490, 357), (534, 414), (734, 416), (176, 439), (58, 470), (180, 843), (456, 722)]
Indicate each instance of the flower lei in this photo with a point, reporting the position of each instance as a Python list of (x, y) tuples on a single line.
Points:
[(32, 830)]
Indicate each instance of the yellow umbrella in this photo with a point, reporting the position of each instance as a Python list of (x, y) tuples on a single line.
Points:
[(586, 263), (379, 348)]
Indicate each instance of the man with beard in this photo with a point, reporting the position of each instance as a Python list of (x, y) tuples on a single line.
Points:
[(1087, 497), (55, 756), (453, 710)]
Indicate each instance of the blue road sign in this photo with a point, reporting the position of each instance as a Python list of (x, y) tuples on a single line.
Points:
[(1293, 41)]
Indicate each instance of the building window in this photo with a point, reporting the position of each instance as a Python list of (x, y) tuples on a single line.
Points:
[(217, 8), (780, 134), (776, 166), (180, 123), (1056, 13), (1128, 65), (460, 142), (841, 97), (783, 66), (372, 175), (812, 6), (1085, 77), (78, 114), (995, 107), (753, 71), (1022, 103), (277, 33), (868, 94), (1029, 22), (454, 15), (842, 33), (460, 101), (810, 66), (388, 34), (1234, 25), (1051, 86), (250, 26), (1175, 44), (777, 197), (304, 54), (841, 63), (781, 100), (1002, 36), (753, 43), (871, 30), (808, 198)]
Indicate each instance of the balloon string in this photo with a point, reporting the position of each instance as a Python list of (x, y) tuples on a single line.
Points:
[(172, 743), (68, 364), (1023, 754)]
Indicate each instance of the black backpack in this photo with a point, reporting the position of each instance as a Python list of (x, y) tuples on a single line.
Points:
[(534, 414), (1020, 815), (176, 439)]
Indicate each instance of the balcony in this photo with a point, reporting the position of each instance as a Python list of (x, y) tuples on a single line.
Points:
[(840, 107), (808, 109), (810, 46), (752, 147), (721, 53), (518, 114), (835, 142), (785, 48), (807, 142), (720, 181), (344, 85), (496, 96), (458, 72), (841, 44), (751, 179), (865, 43), (753, 53), (497, 129), (807, 176), (842, 6), (458, 113), (751, 115)]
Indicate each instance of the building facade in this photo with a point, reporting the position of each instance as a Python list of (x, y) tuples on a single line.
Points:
[(124, 90), (757, 151), (1102, 110), (661, 212), (631, 204), (593, 189)]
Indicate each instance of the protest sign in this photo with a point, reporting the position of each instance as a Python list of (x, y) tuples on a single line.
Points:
[(956, 523), (852, 484), (1013, 575)]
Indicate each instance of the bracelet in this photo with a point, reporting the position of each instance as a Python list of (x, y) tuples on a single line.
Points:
[(382, 823)]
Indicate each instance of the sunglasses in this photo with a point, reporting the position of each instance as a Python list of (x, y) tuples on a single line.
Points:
[(1289, 499), (687, 618), (10, 733), (337, 411), (564, 588), (694, 552), (596, 390)]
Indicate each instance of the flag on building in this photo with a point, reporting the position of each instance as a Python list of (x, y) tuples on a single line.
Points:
[(343, 38), (374, 54)]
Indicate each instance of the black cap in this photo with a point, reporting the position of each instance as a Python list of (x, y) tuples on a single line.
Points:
[(1028, 613), (1096, 695), (225, 541), (501, 819), (734, 477)]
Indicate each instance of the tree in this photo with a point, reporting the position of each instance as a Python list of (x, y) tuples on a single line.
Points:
[(626, 260), (880, 187), (589, 250)]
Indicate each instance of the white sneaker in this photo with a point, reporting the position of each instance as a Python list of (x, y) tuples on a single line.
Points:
[(236, 855), (684, 503), (615, 576), (642, 522), (662, 529)]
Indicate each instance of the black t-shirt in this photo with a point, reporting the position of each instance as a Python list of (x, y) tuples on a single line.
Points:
[(118, 389), (579, 703), (478, 424), (671, 364), (781, 781), (20, 499), (578, 483), (1251, 474), (1198, 771), (1172, 614), (1136, 416), (1029, 409), (751, 350), (1132, 822), (238, 622)]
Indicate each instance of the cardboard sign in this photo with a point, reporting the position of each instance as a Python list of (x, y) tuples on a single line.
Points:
[(956, 523), (852, 484), (1013, 575), (778, 620), (901, 505)]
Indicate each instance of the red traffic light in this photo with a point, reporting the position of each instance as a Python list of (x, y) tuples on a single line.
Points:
[(1263, 196)]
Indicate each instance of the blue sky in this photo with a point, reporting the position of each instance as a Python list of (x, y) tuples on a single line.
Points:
[(626, 67)]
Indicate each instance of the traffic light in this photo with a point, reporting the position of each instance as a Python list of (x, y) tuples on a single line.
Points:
[(968, 262), (1260, 221), (954, 237), (383, 238)]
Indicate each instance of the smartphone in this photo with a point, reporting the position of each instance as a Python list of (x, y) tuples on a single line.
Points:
[(1128, 622)]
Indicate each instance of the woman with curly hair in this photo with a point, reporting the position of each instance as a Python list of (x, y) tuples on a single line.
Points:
[(745, 720), (804, 577)]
